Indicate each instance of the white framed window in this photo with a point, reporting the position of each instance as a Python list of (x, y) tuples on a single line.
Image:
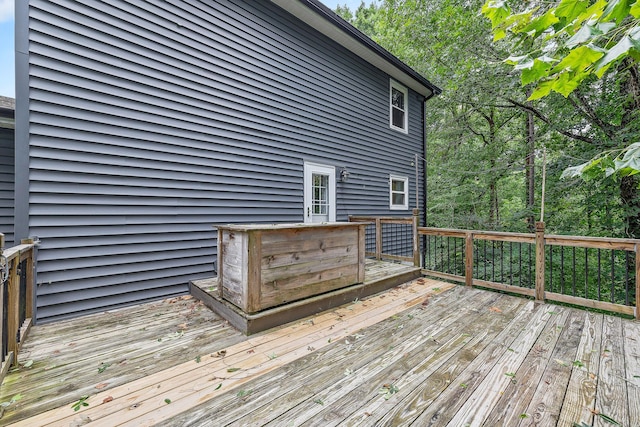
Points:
[(398, 107), (398, 192)]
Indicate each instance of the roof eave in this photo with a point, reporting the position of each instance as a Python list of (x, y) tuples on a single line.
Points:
[(323, 19)]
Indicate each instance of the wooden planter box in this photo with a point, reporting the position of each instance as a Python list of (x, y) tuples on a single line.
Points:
[(263, 266)]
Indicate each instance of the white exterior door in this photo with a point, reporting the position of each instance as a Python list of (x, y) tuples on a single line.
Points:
[(319, 193)]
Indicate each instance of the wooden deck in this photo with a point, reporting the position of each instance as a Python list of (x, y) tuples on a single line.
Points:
[(424, 353)]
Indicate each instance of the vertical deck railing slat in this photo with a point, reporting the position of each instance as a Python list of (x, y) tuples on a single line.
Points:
[(16, 297), (552, 275)]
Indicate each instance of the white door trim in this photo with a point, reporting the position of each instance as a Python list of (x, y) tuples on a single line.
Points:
[(309, 169)]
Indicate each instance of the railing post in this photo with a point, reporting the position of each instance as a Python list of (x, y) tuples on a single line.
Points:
[(468, 259), (13, 315), (378, 239), (637, 251), (539, 294), (416, 246), (29, 274)]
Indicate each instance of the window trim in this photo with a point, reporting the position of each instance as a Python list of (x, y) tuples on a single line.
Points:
[(404, 206), (397, 86)]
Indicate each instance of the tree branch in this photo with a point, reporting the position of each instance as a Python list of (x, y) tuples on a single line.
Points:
[(545, 119)]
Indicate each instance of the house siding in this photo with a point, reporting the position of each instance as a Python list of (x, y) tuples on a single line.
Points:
[(149, 122), (6, 185)]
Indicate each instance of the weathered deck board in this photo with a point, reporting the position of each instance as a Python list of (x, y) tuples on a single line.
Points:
[(411, 356), (129, 344), (631, 345), (580, 396), (611, 384), (514, 401), (348, 356), (544, 407)]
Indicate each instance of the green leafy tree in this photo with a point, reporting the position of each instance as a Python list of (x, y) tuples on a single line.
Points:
[(588, 52), (568, 41)]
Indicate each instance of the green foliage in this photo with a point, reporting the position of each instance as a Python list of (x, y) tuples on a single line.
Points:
[(617, 163), (568, 41), (80, 403), (476, 130)]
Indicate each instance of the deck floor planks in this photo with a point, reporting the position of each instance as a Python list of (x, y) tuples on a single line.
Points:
[(67, 369), (353, 392), (289, 386), (580, 396), (475, 333), (422, 384), (296, 348), (486, 396), (513, 403), (544, 407), (189, 384), (441, 410), (612, 388), (632, 376)]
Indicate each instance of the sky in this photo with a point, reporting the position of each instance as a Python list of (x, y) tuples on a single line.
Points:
[(7, 72), (7, 69)]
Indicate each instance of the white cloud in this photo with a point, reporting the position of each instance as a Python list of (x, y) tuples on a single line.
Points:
[(6, 10)]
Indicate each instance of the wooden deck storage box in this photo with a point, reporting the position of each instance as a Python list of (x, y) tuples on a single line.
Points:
[(263, 266)]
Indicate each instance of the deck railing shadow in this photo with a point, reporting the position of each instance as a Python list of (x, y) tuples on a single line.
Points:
[(17, 296)]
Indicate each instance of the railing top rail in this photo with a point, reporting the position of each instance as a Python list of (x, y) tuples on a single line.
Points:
[(16, 251), (593, 242), (355, 218), (499, 235), (558, 240)]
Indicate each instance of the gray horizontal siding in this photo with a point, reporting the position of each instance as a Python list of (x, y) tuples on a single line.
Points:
[(7, 184), (152, 121)]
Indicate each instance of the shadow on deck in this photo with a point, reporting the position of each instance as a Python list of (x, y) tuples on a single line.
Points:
[(423, 353), (379, 276)]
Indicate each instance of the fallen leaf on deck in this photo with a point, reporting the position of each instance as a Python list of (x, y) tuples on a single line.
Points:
[(425, 302), (221, 353), (107, 399), (182, 326), (608, 419), (186, 297), (233, 369), (101, 386), (495, 310)]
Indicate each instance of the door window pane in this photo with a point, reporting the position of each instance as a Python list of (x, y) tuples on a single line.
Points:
[(320, 191)]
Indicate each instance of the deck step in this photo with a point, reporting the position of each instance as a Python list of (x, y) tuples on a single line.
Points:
[(387, 276)]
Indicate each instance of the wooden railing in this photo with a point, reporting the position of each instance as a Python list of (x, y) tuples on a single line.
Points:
[(565, 269), (16, 294), (391, 238)]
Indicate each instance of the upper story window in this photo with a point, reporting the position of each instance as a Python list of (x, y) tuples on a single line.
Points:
[(398, 107), (398, 192)]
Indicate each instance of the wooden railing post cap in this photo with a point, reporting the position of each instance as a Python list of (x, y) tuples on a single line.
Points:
[(539, 225), (416, 211)]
